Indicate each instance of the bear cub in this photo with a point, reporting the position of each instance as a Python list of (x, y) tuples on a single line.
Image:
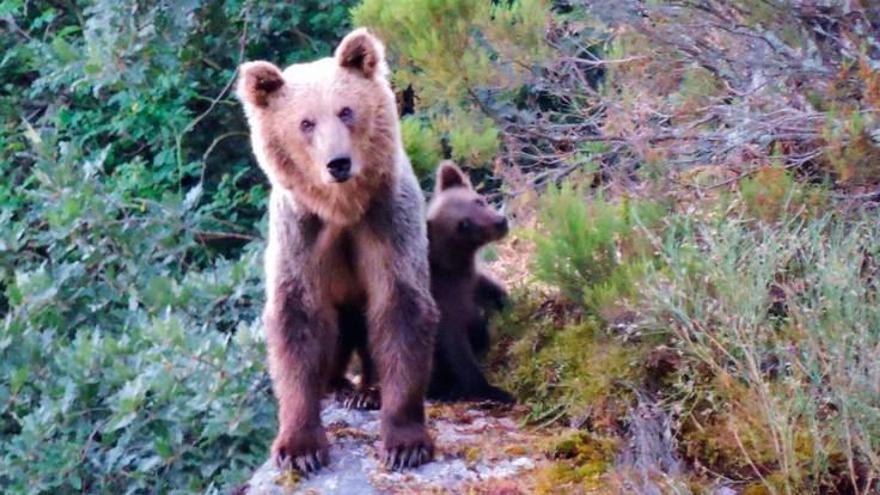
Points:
[(460, 222)]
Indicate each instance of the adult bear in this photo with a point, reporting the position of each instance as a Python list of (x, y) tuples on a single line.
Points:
[(346, 236)]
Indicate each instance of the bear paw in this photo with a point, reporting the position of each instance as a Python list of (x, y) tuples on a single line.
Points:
[(363, 400), (303, 450), (496, 394), (407, 447), (487, 393)]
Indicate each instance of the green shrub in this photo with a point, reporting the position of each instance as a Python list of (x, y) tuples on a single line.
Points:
[(778, 325), (458, 56), (131, 356), (566, 370), (772, 194), (122, 366), (591, 250), (422, 145), (474, 140)]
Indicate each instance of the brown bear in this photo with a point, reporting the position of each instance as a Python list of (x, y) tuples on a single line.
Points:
[(346, 240), (460, 222)]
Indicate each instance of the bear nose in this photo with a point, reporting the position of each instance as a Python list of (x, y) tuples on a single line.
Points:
[(340, 168), (501, 225)]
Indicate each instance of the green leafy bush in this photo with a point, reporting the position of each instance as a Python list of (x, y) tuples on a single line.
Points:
[(123, 367), (131, 355), (422, 146), (592, 250), (565, 368)]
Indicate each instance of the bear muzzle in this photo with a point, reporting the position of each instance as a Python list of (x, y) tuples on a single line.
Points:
[(340, 169)]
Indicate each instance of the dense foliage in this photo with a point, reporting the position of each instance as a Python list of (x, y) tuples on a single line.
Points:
[(131, 356), (460, 57)]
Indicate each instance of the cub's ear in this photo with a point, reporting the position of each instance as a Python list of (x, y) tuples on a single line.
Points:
[(449, 176), (362, 52), (258, 82)]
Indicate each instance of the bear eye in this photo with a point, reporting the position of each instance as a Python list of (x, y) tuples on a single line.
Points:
[(465, 226), (306, 125), (346, 115), (480, 202)]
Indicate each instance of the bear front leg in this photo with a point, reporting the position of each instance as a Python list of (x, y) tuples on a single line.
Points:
[(489, 294), (298, 340), (401, 340), (457, 374)]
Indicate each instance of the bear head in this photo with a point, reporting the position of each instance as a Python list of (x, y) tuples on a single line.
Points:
[(460, 220), (326, 131)]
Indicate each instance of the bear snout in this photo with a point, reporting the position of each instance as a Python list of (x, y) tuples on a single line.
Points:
[(501, 226), (340, 168)]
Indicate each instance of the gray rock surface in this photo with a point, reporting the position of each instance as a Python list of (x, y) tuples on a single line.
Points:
[(476, 447)]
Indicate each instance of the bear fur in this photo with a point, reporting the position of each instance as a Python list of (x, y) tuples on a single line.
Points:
[(347, 242), (460, 222), (464, 294)]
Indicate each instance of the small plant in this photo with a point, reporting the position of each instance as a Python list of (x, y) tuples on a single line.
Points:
[(579, 461), (772, 194), (591, 250)]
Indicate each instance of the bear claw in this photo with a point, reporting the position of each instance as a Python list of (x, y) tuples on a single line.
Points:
[(406, 457), (308, 463), (305, 452), (367, 400), (305, 464)]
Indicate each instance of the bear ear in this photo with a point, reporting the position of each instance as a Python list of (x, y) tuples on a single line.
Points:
[(257, 82), (449, 176), (362, 52)]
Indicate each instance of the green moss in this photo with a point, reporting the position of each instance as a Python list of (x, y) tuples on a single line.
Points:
[(580, 460), (581, 447), (289, 479)]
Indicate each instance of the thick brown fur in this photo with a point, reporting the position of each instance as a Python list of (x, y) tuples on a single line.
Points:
[(341, 245), (460, 222)]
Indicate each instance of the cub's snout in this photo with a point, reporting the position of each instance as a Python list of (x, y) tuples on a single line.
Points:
[(502, 227)]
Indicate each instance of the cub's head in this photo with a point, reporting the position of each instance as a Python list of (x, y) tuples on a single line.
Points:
[(326, 130), (460, 221)]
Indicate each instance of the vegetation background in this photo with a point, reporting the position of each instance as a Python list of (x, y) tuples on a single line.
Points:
[(695, 185)]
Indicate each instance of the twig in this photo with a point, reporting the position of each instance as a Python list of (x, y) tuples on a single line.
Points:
[(242, 42), (869, 196), (213, 145), (205, 236), (15, 27)]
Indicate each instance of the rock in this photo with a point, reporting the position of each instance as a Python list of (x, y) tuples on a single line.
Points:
[(476, 447)]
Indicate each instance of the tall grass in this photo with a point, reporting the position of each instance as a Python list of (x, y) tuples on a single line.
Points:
[(782, 321)]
